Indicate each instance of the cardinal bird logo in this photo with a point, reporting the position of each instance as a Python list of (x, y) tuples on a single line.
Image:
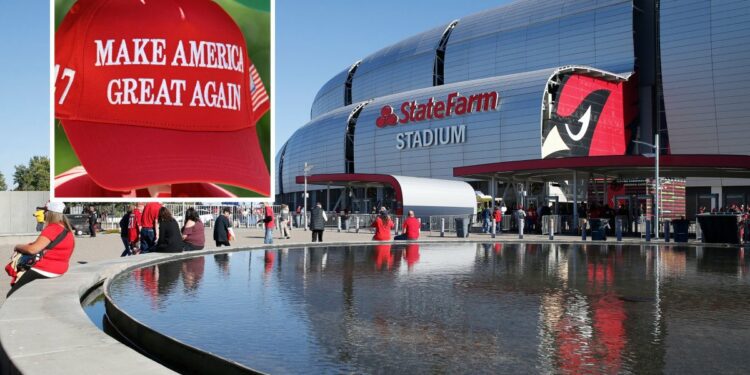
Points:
[(587, 119)]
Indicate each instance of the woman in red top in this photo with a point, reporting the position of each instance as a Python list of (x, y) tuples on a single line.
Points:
[(54, 263), (383, 225)]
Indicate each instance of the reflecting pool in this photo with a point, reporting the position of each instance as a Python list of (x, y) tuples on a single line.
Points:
[(456, 308)]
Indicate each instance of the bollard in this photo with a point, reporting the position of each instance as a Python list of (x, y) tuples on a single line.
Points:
[(618, 229), (492, 230), (648, 230), (338, 223), (551, 227), (666, 231), (442, 227), (395, 229), (357, 230), (520, 228)]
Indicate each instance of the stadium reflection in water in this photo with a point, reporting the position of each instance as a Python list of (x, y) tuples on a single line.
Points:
[(456, 308)]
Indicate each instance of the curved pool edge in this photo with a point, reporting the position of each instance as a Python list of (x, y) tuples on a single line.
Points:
[(43, 328)]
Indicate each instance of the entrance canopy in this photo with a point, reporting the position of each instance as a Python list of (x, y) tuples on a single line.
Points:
[(426, 196), (618, 166)]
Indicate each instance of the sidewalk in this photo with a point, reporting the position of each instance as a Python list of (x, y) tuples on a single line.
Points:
[(108, 246)]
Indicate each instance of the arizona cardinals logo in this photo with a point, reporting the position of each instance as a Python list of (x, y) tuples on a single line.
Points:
[(587, 119)]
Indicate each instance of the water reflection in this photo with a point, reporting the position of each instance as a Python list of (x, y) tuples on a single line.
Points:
[(457, 308)]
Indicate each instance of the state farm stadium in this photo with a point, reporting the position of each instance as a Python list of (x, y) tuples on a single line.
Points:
[(539, 102)]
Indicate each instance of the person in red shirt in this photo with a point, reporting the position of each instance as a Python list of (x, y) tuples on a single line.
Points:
[(268, 219), (54, 261), (148, 226), (498, 220), (383, 225), (410, 228)]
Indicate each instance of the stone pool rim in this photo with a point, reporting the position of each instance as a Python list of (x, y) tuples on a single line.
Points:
[(27, 318)]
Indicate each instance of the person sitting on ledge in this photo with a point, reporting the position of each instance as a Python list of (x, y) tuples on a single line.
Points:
[(383, 225), (56, 242), (193, 231), (170, 239), (410, 228)]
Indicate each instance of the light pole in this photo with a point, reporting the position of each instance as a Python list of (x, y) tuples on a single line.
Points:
[(655, 147), (307, 169)]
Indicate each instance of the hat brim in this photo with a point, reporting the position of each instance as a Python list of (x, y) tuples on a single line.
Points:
[(123, 157), (76, 183)]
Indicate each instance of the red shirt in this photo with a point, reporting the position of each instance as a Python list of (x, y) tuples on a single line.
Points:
[(133, 230), (411, 228), (150, 213), (382, 230), (269, 212), (55, 260), (498, 216)]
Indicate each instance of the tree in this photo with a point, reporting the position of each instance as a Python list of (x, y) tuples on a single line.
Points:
[(34, 176), (3, 186)]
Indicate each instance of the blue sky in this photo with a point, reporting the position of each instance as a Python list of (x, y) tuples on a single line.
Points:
[(316, 40), (24, 83)]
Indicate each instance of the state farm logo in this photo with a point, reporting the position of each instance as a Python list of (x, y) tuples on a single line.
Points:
[(387, 117), (454, 104)]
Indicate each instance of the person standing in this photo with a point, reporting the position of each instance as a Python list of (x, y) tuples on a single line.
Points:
[(486, 219), (125, 232), (521, 217), (170, 238), (284, 221), (410, 228), (383, 225), (498, 215), (269, 222), (39, 216), (92, 221), (56, 242), (193, 231), (221, 228), (318, 220), (148, 222)]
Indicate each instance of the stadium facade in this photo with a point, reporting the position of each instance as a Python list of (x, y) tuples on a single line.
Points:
[(540, 92)]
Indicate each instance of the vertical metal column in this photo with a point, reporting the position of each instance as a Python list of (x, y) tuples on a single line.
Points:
[(575, 200)]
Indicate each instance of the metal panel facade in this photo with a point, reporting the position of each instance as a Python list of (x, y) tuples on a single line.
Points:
[(531, 35), (404, 66), (319, 143), (705, 72), (330, 96)]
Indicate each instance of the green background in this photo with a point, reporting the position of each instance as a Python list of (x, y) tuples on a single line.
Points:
[(254, 19)]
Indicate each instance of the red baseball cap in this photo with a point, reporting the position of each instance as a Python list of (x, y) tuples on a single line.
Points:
[(159, 92)]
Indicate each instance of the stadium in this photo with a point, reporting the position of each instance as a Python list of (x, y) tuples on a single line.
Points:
[(539, 102)]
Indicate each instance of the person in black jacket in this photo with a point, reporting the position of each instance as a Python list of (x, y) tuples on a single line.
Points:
[(317, 222), (170, 238), (125, 233), (92, 221), (221, 228)]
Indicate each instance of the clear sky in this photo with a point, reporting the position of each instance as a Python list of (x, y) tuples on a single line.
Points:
[(316, 40), (24, 83)]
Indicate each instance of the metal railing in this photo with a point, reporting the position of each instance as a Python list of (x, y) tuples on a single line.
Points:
[(448, 222)]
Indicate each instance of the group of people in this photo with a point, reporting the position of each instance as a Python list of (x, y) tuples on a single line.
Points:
[(138, 230), (488, 216), (383, 225)]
